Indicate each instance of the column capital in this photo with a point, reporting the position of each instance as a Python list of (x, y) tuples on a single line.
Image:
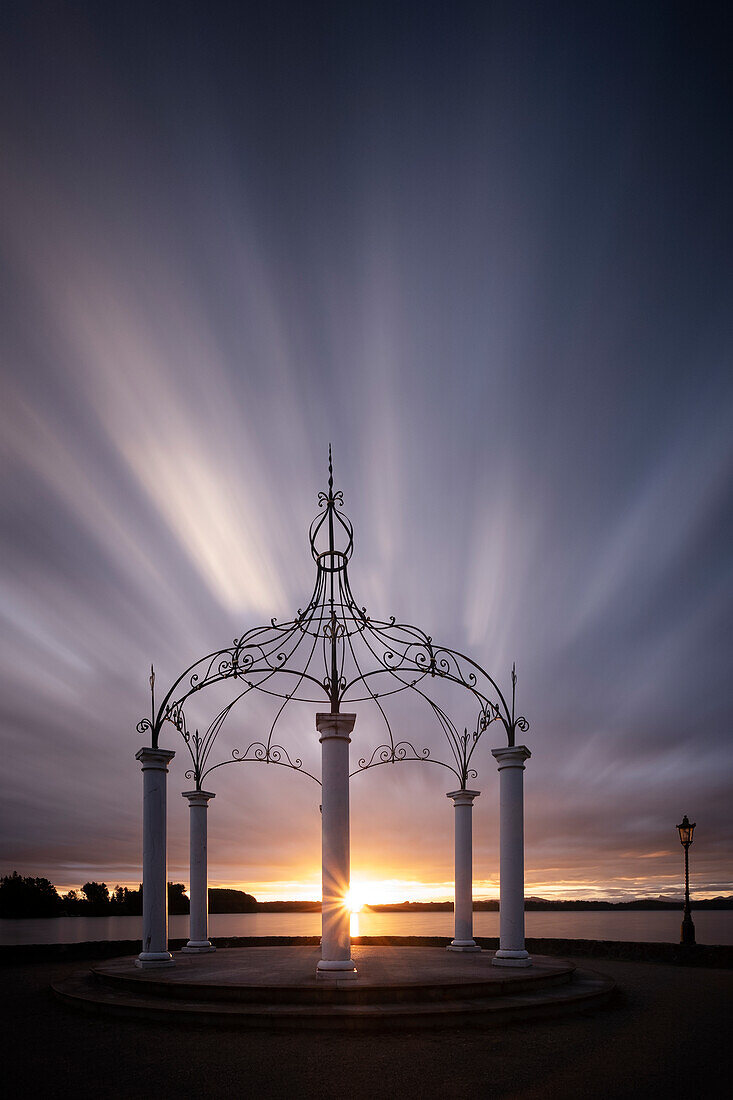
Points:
[(463, 797), (511, 756), (197, 798), (335, 725), (155, 759)]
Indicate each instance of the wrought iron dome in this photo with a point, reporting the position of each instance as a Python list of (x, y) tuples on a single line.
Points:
[(334, 654)]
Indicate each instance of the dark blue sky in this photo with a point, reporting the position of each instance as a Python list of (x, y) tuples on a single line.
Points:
[(482, 249)]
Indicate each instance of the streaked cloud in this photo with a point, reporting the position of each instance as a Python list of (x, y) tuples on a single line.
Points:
[(489, 277)]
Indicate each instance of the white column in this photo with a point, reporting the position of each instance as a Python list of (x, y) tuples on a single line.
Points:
[(511, 854), (199, 942), (155, 878), (463, 903), (336, 962)]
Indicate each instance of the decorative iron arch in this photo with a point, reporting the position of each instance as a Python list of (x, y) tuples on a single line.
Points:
[(334, 652)]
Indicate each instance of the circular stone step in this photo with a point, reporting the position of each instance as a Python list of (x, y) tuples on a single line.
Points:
[(286, 975), (277, 987)]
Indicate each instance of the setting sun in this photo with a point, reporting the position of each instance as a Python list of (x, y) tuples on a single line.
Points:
[(355, 898)]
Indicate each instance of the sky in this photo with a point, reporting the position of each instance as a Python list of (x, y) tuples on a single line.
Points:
[(481, 249)]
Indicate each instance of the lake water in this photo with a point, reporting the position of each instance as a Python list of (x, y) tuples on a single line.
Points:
[(711, 926)]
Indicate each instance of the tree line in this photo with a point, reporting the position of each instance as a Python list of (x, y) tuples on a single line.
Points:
[(25, 896)]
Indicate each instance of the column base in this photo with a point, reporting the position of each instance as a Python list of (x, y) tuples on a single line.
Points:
[(687, 931), (511, 958), (336, 970), (146, 960), (463, 945), (197, 947)]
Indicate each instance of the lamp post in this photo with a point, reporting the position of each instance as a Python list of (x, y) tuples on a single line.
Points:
[(687, 931)]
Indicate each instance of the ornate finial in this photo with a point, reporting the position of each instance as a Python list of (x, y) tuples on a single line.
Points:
[(331, 501)]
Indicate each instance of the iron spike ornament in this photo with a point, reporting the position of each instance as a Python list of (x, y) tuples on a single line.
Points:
[(333, 651)]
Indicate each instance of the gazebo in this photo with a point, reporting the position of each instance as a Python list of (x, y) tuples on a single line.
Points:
[(333, 655)]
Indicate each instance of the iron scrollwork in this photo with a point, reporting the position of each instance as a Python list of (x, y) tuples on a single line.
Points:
[(334, 653)]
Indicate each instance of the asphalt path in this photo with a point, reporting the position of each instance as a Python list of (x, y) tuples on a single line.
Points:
[(668, 1033)]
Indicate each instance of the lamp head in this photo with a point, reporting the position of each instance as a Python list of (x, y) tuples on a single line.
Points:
[(686, 829)]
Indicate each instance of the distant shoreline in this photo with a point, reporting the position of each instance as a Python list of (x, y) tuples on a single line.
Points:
[(491, 905), (479, 906), (543, 904), (23, 898)]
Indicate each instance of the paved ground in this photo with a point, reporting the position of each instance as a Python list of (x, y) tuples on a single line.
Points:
[(670, 1034)]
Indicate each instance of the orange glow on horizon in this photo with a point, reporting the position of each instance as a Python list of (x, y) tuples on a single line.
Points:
[(369, 888)]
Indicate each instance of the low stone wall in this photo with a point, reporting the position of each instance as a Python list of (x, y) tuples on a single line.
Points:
[(701, 954), (671, 953)]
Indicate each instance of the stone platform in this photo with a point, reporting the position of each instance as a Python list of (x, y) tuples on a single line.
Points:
[(276, 987)]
